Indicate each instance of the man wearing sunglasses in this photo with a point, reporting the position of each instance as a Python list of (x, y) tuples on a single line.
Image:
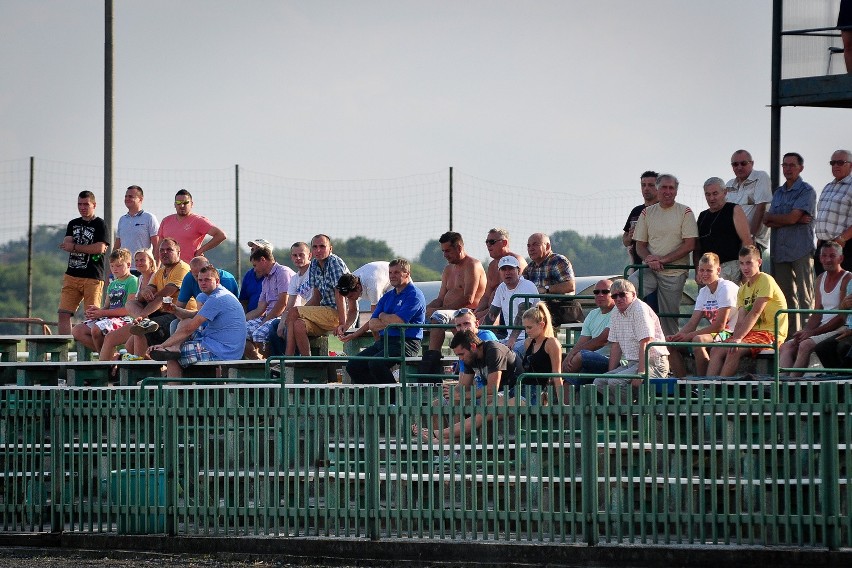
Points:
[(833, 221), (752, 190), (590, 353), (497, 243), (189, 229), (632, 326)]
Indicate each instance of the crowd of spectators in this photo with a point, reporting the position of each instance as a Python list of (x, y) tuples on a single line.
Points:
[(179, 308)]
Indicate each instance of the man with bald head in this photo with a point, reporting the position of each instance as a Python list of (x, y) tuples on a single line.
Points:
[(552, 274), (833, 221), (752, 190)]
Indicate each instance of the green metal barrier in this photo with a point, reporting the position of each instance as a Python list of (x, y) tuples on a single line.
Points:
[(718, 463)]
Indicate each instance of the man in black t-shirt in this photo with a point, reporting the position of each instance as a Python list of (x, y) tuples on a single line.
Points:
[(85, 242), (649, 195), (490, 359)]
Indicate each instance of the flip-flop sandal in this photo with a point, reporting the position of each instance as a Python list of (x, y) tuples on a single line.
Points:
[(144, 327), (164, 355)]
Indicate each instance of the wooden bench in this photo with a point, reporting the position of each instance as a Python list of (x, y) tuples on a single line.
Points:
[(40, 346), (231, 369), (77, 373)]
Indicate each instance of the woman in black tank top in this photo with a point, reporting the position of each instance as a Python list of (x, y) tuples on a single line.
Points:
[(542, 351)]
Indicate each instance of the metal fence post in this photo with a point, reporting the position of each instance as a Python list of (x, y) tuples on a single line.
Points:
[(589, 501), (828, 456), (371, 451)]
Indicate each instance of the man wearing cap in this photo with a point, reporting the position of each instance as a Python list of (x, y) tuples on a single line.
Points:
[(189, 229), (273, 300), (403, 303), (252, 283), (509, 302), (322, 313)]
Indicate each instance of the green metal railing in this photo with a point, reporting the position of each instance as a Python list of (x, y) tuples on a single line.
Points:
[(707, 463)]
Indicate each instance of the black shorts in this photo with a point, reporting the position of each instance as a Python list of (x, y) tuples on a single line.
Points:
[(844, 17), (163, 320)]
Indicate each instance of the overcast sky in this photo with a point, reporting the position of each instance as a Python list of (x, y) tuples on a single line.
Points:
[(575, 96)]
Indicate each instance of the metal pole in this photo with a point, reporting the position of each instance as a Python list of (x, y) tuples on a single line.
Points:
[(237, 213), (775, 108), (30, 246), (451, 198), (108, 95)]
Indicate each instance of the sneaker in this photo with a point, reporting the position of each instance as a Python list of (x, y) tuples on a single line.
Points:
[(131, 357), (144, 326)]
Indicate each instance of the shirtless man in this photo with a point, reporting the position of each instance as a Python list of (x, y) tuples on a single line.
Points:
[(497, 242), (462, 286)]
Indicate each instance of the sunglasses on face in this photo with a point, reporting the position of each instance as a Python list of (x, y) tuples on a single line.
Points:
[(599, 292), (618, 295)]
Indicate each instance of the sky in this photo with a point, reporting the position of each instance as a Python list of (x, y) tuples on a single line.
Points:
[(573, 96)]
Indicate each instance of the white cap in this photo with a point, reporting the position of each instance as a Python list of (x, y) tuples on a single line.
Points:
[(508, 261)]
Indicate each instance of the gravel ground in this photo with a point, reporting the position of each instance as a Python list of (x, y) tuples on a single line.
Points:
[(31, 558)]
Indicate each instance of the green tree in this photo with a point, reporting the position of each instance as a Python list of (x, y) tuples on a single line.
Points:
[(594, 255), (432, 257)]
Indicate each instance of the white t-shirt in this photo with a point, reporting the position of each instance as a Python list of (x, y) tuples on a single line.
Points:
[(300, 288), (594, 325), (725, 296), (503, 296), (374, 280), (756, 189)]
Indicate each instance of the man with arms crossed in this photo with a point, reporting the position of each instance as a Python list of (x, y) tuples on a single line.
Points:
[(648, 184), (716, 302), (462, 286), (85, 243), (758, 300), (789, 220)]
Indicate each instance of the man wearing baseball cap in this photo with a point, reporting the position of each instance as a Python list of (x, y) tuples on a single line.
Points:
[(509, 303)]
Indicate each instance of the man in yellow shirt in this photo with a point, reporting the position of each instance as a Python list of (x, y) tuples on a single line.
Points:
[(758, 300)]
